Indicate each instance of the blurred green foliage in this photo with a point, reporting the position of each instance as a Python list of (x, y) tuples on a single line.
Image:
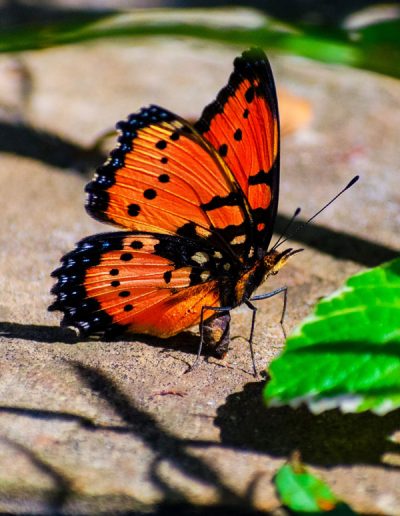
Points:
[(374, 47), (305, 494)]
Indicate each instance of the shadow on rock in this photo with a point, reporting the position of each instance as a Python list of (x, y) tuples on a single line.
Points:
[(46, 147), (165, 446), (37, 333), (341, 245), (186, 341), (47, 415), (327, 439), (182, 509), (62, 489), (56, 500)]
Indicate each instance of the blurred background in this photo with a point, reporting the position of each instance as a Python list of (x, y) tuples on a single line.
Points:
[(314, 12), (362, 33)]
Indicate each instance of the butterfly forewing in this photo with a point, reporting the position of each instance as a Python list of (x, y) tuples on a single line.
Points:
[(242, 124), (164, 177)]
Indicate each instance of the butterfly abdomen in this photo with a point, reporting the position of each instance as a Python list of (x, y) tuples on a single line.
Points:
[(216, 334)]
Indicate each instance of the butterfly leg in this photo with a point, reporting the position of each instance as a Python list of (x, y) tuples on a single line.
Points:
[(254, 312), (271, 294), (253, 322), (224, 325)]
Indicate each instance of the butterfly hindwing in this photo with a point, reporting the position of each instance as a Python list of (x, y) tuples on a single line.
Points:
[(242, 124), (144, 282), (165, 178)]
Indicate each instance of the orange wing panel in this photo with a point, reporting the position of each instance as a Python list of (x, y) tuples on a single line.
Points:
[(168, 315), (165, 178), (242, 124)]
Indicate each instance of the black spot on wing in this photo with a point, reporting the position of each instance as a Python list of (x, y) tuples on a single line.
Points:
[(133, 210), (161, 144), (167, 276), (126, 257), (249, 95), (136, 244), (238, 135), (163, 178), (150, 194), (223, 150)]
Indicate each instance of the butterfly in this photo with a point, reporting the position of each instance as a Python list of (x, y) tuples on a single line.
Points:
[(197, 204)]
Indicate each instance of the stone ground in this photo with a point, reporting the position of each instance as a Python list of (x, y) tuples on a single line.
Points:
[(89, 427)]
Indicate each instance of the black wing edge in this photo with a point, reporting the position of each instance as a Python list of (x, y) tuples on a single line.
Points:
[(81, 311), (97, 200)]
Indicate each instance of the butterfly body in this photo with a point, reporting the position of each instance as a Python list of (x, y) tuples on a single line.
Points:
[(197, 204)]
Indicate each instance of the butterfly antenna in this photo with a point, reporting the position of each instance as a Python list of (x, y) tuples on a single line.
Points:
[(295, 214), (349, 185)]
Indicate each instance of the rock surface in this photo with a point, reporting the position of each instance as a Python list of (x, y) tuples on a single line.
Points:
[(90, 426)]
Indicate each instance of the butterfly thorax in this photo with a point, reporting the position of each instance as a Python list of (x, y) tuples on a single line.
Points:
[(269, 265)]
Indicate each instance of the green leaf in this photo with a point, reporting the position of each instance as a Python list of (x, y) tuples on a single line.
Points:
[(303, 492), (347, 354)]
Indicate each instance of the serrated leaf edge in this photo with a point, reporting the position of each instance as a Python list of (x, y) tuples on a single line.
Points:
[(346, 403)]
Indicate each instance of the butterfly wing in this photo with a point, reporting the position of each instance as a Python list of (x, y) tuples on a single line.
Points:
[(242, 124), (144, 282), (165, 178)]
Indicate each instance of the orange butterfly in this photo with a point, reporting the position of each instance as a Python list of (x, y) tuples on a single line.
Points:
[(198, 203)]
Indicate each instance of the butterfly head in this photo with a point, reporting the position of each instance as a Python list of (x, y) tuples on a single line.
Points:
[(275, 260)]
